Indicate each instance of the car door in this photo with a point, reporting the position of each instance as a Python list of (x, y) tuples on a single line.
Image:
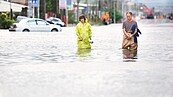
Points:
[(43, 26), (31, 25)]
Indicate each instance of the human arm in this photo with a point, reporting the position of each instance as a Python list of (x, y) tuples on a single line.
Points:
[(126, 34), (135, 27), (136, 30), (124, 30), (78, 32)]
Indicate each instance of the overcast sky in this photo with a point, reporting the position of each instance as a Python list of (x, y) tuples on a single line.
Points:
[(157, 2), (166, 5)]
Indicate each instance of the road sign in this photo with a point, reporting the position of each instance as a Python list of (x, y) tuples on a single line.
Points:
[(62, 4), (33, 3), (70, 4)]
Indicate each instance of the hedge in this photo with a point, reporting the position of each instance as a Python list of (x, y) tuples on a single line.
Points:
[(5, 22)]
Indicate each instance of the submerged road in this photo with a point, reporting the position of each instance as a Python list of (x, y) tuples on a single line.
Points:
[(50, 65)]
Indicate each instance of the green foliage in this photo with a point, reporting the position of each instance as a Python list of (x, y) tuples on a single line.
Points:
[(118, 16), (51, 6), (71, 18), (3, 16), (4, 21), (99, 22)]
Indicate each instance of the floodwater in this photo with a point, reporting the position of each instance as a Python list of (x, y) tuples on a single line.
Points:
[(155, 45), (39, 64)]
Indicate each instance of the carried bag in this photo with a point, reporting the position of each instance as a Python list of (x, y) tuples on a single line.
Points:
[(137, 34), (133, 30)]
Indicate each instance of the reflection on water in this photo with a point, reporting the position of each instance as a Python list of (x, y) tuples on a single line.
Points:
[(129, 55), (38, 48), (83, 54)]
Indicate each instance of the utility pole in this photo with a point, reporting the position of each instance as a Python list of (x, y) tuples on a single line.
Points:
[(78, 9), (11, 11), (87, 8), (38, 9), (114, 11), (66, 12), (57, 8), (96, 7), (44, 9), (137, 8)]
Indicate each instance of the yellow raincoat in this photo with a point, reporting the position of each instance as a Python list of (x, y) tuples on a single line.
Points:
[(83, 31)]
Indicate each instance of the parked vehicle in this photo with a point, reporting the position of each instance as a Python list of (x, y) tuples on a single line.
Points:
[(12, 27), (34, 25), (171, 17), (19, 18), (150, 16), (56, 21)]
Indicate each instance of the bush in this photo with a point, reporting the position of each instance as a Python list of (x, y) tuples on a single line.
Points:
[(118, 16), (4, 21)]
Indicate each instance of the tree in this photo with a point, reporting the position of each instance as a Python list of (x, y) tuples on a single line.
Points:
[(51, 6)]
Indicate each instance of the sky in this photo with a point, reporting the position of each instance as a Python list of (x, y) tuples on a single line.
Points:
[(166, 5)]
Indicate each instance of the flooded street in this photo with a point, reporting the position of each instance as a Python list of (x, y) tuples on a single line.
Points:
[(155, 45), (39, 64)]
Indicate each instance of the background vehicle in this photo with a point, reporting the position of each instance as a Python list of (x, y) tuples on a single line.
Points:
[(19, 18), (56, 21), (34, 25), (170, 16)]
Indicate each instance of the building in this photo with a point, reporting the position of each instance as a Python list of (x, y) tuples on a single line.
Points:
[(6, 6), (23, 2)]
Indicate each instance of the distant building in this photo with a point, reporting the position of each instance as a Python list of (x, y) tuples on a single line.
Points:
[(145, 12), (23, 2)]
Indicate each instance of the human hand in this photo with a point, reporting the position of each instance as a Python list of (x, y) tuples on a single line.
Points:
[(80, 39), (129, 37), (91, 41)]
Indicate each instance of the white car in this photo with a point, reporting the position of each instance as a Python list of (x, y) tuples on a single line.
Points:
[(34, 25), (56, 21)]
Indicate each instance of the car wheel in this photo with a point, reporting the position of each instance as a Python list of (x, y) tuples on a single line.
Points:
[(54, 30), (25, 30)]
